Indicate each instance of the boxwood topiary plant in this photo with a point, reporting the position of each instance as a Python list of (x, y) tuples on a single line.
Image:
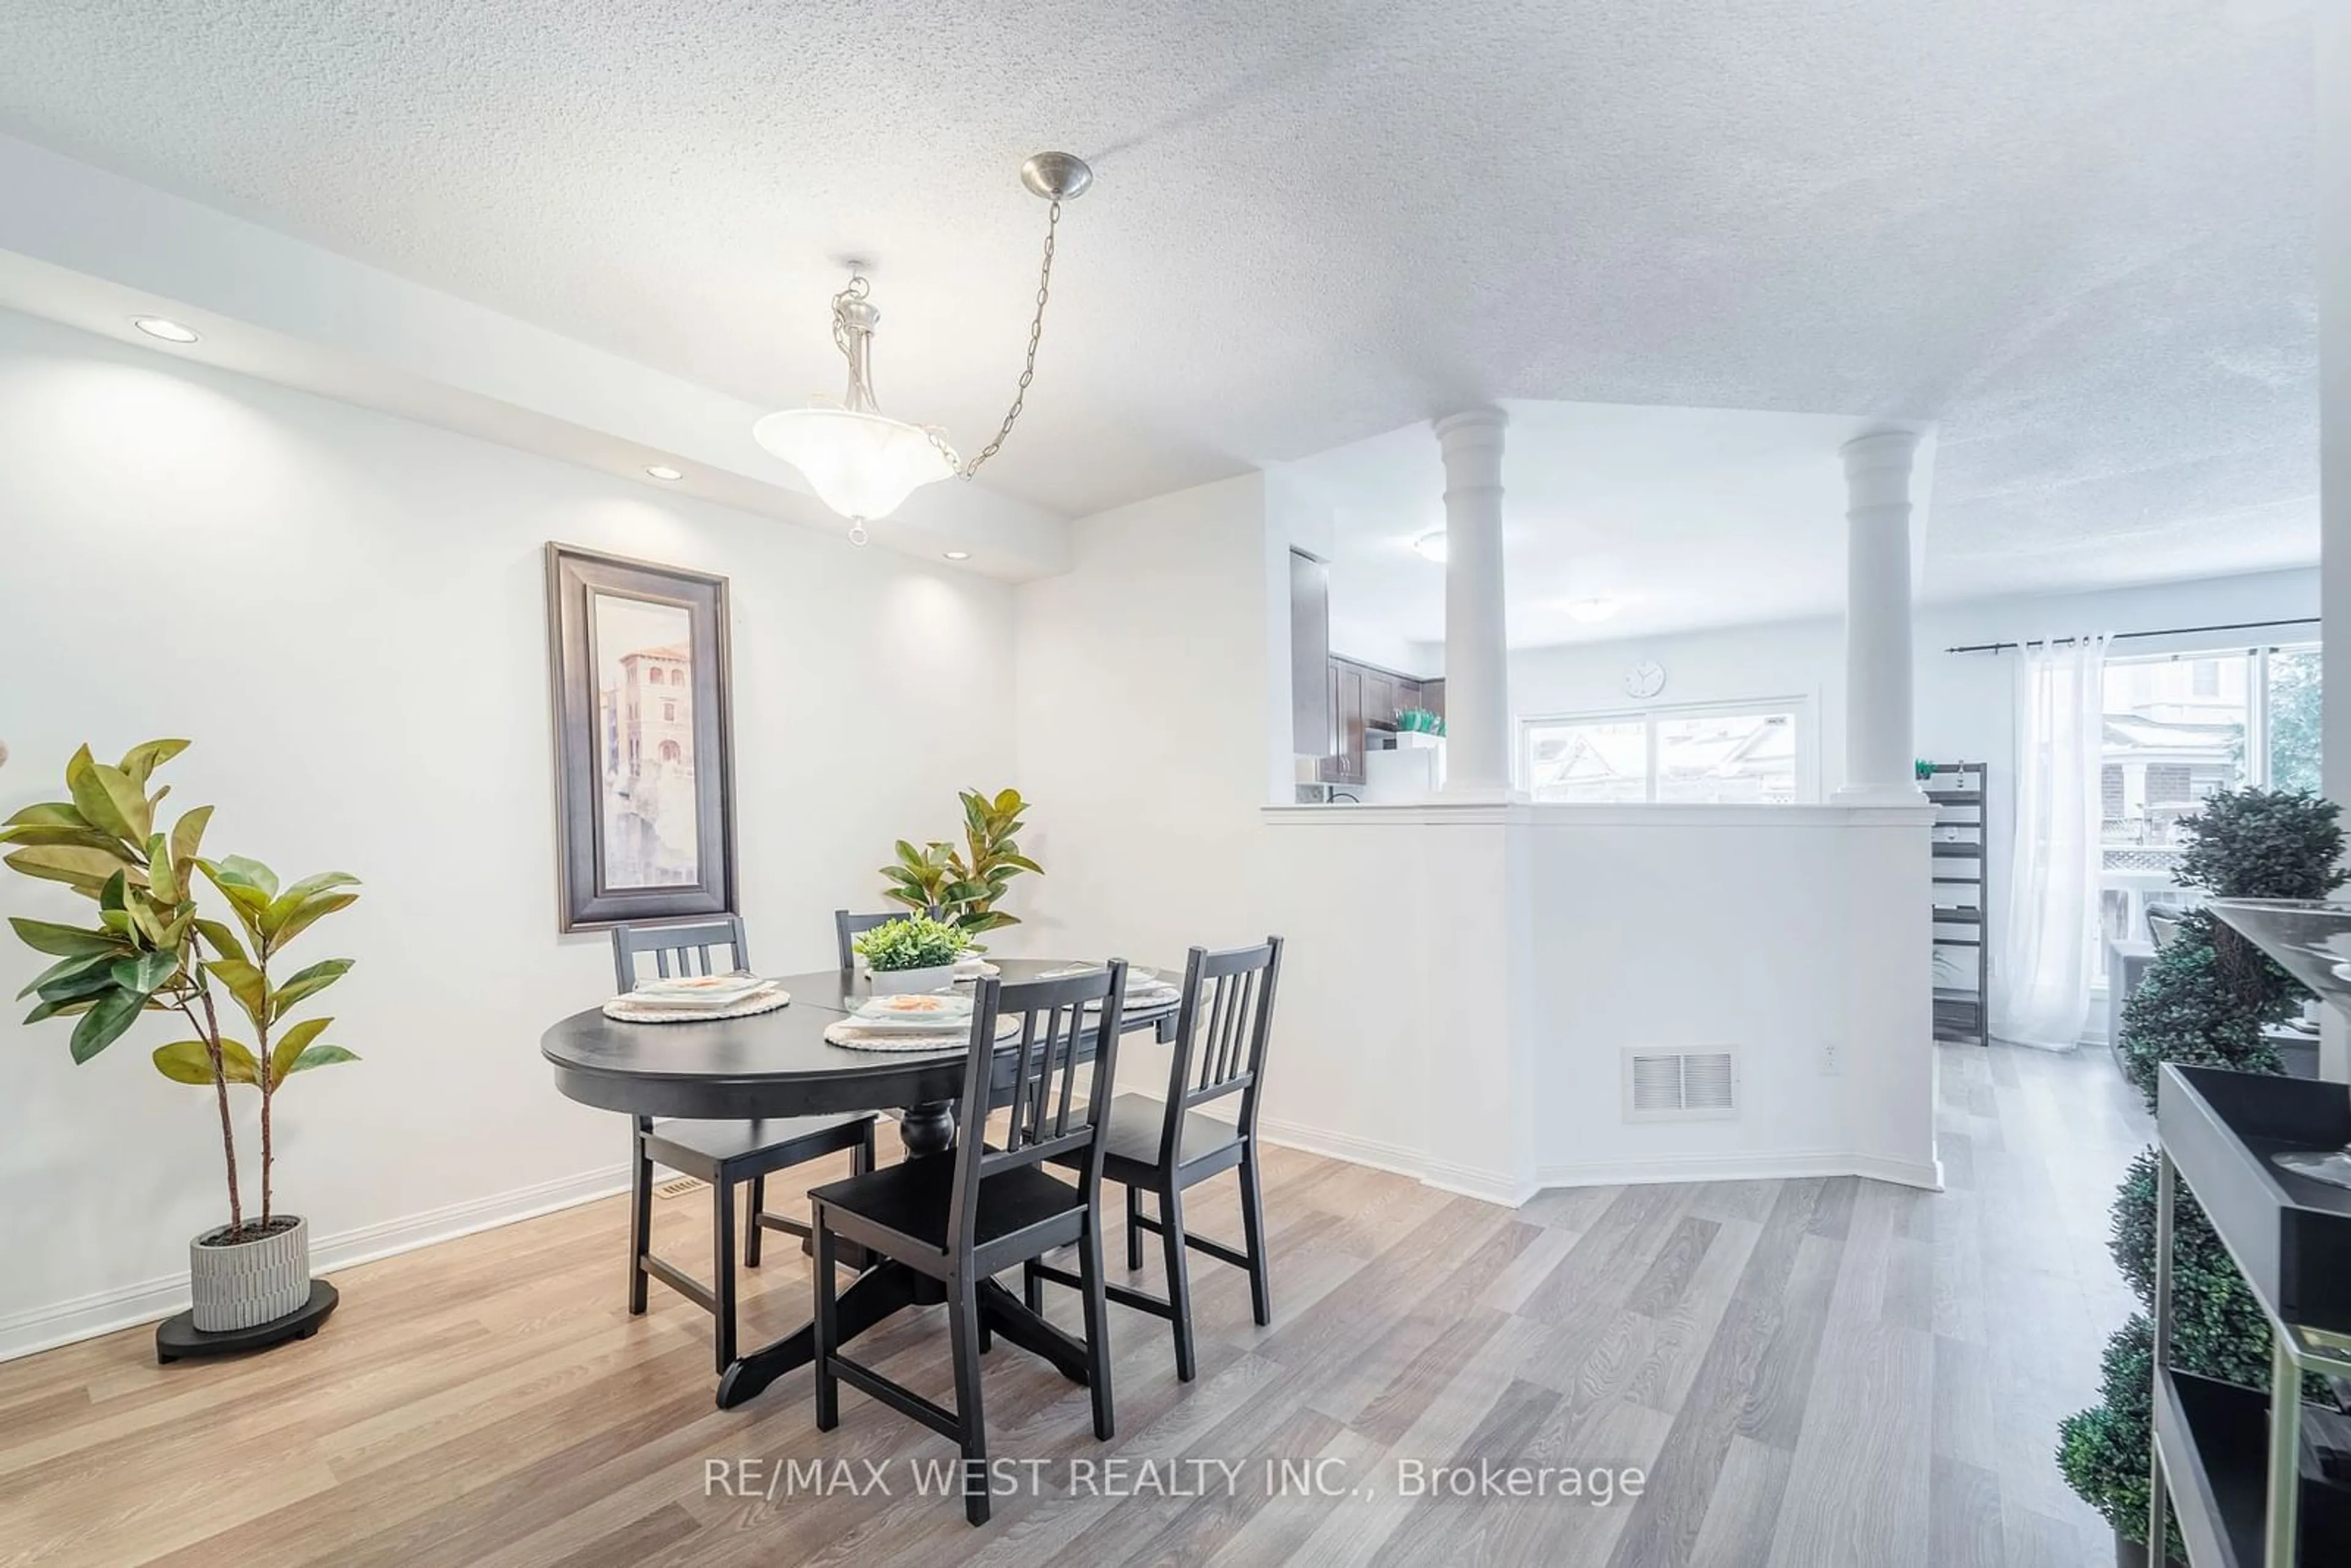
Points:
[(2204, 1002), (917, 942)]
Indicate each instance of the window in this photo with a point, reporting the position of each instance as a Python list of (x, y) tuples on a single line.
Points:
[(669, 713), (653, 675), (2177, 729), (1589, 763), (1741, 754)]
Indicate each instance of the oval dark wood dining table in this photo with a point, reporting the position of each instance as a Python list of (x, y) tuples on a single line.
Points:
[(778, 1063)]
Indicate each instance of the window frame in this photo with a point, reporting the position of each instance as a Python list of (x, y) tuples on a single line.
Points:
[(1649, 715), (2259, 773), (2257, 690)]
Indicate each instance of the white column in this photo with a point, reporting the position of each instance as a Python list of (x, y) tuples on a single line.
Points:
[(1879, 747), (1477, 669)]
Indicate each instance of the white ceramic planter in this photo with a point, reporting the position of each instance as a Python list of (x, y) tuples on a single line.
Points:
[(252, 1282), (900, 982)]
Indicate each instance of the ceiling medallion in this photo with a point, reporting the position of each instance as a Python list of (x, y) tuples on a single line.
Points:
[(861, 462)]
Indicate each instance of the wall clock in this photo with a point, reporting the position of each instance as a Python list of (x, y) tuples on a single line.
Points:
[(1644, 680)]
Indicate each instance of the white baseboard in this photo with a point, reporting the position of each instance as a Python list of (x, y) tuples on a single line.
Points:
[(1495, 1186), (45, 1328), (1469, 1181), (1741, 1168), (1394, 1158)]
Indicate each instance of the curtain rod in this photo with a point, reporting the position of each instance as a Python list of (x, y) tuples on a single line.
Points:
[(2166, 631)]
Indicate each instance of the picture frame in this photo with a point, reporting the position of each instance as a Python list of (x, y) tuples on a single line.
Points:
[(645, 778)]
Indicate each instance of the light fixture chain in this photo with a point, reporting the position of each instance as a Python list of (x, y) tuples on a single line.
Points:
[(1036, 335), (852, 343)]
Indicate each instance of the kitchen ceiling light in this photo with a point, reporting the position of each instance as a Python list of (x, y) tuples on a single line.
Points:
[(958, 555), (665, 473), (1590, 610), (1432, 545), (170, 332), (861, 462)]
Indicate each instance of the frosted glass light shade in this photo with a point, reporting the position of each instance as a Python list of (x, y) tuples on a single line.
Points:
[(859, 464)]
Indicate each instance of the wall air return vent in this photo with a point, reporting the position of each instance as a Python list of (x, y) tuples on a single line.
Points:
[(1680, 1085)]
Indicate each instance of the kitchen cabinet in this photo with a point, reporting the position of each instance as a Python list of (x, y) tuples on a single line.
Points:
[(1346, 764), (1365, 699), (1432, 695)]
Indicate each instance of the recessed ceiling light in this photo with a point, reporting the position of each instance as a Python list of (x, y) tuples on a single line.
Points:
[(663, 471), (157, 327), (1432, 545), (958, 555), (1589, 610)]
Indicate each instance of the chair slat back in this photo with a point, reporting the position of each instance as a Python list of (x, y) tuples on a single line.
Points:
[(678, 950), (849, 927), (1069, 1030), (1221, 1029)]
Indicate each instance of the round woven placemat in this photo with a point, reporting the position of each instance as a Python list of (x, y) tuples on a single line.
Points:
[(846, 1034), (622, 1010)]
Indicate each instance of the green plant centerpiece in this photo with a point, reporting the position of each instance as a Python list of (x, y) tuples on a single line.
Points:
[(963, 884), (2205, 1000), (916, 954), (153, 948), (916, 942)]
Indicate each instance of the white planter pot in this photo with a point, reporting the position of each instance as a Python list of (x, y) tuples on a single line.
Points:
[(252, 1282), (900, 982)]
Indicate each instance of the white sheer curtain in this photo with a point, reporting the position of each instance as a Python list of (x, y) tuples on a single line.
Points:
[(2041, 992)]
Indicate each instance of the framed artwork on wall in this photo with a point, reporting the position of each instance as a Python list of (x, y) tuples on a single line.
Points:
[(644, 785)]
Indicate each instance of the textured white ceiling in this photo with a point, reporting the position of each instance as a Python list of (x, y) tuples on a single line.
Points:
[(2077, 236)]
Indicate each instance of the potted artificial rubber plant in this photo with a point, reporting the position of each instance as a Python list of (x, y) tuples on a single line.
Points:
[(153, 948), (916, 954), (963, 885)]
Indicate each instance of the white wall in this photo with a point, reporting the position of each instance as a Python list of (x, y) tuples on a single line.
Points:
[(1965, 708), (1459, 982), (1143, 732), (1965, 701), (1775, 931), (345, 611)]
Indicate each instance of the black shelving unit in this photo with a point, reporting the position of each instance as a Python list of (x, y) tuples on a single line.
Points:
[(1961, 926), (2255, 1481)]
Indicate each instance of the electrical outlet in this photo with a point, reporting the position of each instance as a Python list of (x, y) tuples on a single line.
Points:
[(1832, 1059)]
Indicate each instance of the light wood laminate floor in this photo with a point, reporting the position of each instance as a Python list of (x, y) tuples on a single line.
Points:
[(1814, 1374)]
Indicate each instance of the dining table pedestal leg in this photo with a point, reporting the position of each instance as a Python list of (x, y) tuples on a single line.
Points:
[(872, 1297), (927, 1129), (1008, 1318)]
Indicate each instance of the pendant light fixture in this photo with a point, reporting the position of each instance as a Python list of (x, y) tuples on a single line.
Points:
[(861, 462)]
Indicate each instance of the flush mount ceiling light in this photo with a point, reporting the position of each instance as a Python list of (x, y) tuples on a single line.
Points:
[(1590, 610), (958, 555), (1432, 545), (170, 332), (860, 460), (665, 473)]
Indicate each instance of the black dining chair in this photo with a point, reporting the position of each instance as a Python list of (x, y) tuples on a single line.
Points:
[(1168, 1146), (722, 1154), (849, 927), (963, 1218)]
